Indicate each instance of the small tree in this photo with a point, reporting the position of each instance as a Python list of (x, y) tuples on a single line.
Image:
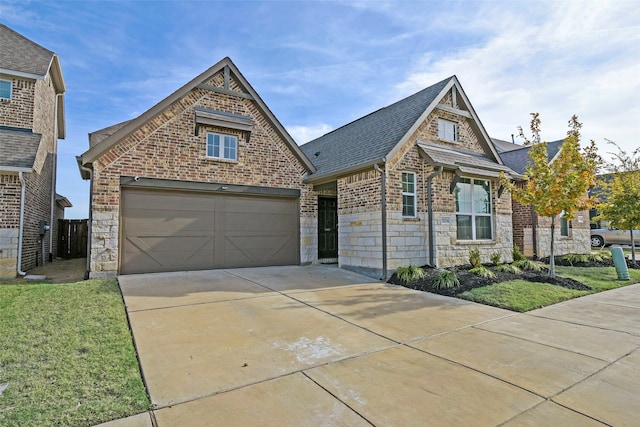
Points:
[(554, 187), (621, 194)]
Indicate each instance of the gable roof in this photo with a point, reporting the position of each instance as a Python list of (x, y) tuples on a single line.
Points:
[(376, 137), (124, 129), (18, 149), (518, 159), (503, 146)]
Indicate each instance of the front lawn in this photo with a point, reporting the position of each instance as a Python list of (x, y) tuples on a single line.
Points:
[(520, 295), (67, 356), (599, 278)]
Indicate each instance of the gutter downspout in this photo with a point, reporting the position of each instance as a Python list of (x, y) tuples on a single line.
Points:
[(89, 221), (432, 258), (23, 192), (383, 184), (54, 173)]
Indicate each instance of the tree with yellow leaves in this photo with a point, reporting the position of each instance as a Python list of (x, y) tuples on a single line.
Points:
[(621, 193), (559, 186)]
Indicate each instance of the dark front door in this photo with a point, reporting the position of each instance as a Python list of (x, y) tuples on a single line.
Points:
[(327, 227)]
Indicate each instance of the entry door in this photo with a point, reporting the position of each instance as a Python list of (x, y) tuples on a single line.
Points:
[(327, 227)]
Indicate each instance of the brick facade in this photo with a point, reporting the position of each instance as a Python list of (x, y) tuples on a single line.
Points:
[(166, 147)]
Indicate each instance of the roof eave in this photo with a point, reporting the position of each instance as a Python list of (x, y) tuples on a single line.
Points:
[(323, 178), (15, 169)]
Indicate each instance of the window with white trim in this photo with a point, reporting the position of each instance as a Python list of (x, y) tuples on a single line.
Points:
[(222, 146), (447, 130), (409, 194), (6, 89), (473, 209)]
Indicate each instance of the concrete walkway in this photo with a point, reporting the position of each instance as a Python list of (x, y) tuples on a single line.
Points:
[(309, 346)]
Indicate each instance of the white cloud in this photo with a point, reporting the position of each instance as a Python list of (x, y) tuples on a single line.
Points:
[(575, 58), (304, 134)]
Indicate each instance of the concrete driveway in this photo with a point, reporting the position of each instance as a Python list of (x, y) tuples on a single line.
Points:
[(309, 346)]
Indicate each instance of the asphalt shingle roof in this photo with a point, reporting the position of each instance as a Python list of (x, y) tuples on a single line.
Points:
[(518, 159), (18, 147), (18, 53), (370, 137)]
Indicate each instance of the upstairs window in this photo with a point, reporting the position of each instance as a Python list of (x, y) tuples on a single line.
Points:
[(5, 89), (447, 130), (222, 146), (408, 194), (473, 209)]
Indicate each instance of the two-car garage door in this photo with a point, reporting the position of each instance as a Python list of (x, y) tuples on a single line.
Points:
[(167, 230)]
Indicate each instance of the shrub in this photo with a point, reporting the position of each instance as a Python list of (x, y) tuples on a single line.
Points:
[(474, 257), (483, 271), (410, 273), (517, 255), (576, 258), (496, 257), (446, 279), (525, 264), (508, 268)]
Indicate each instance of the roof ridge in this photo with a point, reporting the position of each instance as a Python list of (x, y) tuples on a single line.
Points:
[(27, 39)]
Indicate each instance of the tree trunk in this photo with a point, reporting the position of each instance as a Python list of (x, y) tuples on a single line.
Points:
[(633, 248), (552, 260)]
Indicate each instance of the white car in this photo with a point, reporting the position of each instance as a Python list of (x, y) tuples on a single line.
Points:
[(608, 236)]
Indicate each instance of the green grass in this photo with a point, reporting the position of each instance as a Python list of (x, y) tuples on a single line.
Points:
[(520, 295), (67, 354), (599, 278)]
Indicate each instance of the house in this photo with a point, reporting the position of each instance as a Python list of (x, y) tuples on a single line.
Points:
[(31, 122), (532, 233), (415, 182), (209, 178)]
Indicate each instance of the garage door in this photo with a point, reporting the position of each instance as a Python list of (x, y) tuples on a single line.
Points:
[(175, 230)]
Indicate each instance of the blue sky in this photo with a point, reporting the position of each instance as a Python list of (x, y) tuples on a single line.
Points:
[(321, 64)]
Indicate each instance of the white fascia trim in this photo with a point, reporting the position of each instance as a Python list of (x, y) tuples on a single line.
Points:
[(20, 74), (13, 170)]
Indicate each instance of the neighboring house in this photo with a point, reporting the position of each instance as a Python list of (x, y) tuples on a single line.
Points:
[(31, 122), (532, 233), (208, 178), (427, 163)]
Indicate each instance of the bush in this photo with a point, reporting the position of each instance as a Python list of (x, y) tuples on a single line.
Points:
[(410, 273), (446, 279), (474, 257), (517, 255), (496, 257), (508, 268), (525, 264), (483, 271), (576, 258)]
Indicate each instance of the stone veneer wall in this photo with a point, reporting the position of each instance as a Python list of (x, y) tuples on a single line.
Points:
[(165, 147), (9, 224), (578, 242)]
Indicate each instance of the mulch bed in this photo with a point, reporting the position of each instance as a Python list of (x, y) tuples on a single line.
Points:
[(470, 281), (606, 262)]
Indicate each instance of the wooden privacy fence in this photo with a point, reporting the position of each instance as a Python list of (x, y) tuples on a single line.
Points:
[(72, 238)]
